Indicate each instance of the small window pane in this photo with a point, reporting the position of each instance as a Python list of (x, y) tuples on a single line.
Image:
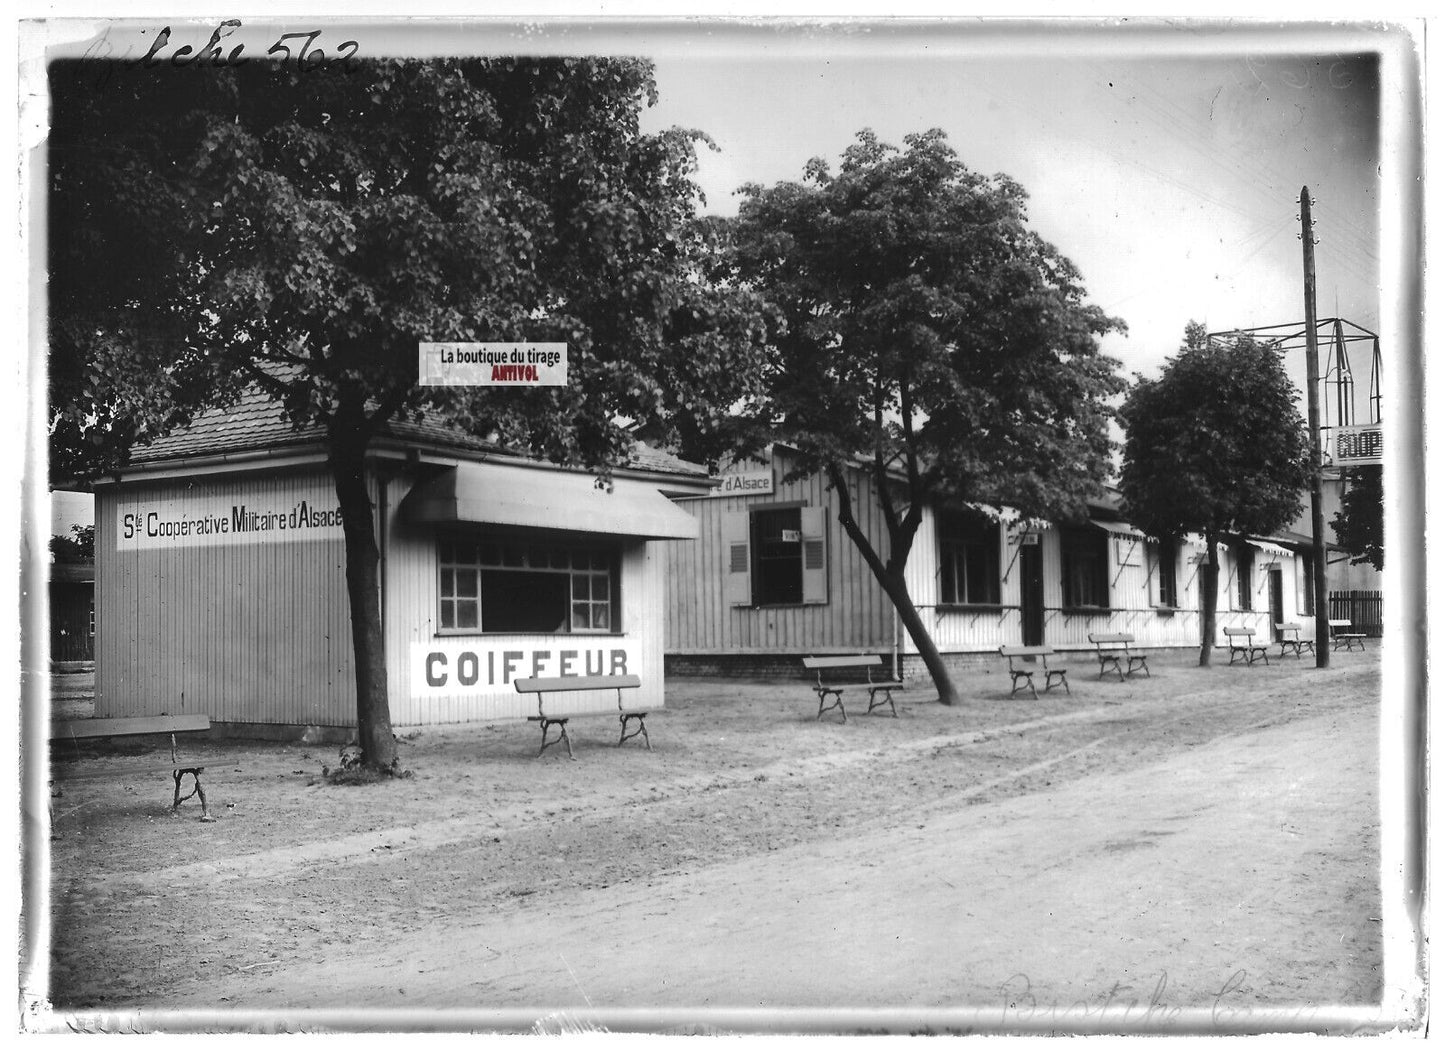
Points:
[(466, 614), (449, 586), (467, 583), (449, 614)]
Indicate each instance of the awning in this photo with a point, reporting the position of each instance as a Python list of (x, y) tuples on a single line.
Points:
[(1269, 548), (543, 498), (1122, 528)]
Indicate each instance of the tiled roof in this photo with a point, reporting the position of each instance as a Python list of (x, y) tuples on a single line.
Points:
[(648, 458), (256, 423), (253, 423)]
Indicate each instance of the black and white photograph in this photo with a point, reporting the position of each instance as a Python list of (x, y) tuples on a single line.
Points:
[(719, 525)]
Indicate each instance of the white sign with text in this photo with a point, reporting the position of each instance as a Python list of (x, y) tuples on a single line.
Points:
[(478, 665), (745, 483), (206, 521), (492, 364)]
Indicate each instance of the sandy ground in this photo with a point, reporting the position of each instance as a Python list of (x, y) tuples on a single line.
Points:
[(1196, 848)]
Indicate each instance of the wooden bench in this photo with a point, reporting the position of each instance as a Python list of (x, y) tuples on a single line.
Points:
[(1291, 640), (557, 715), (1115, 651), (1246, 650), (1341, 636), (827, 668), (77, 730), (1023, 675)]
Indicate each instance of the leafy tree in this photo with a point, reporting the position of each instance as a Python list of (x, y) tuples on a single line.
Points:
[(1359, 525), (918, 323), (301, 231), (77, 548), (1214, 446)]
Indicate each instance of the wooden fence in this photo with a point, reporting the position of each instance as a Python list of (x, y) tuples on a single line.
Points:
[(1363, 609)]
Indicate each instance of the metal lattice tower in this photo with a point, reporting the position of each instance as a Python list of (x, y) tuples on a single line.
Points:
[(1337, 393)]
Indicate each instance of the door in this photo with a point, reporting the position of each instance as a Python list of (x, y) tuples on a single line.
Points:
[(1276, 602), (1031, 586)]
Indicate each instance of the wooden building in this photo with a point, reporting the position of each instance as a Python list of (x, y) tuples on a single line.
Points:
[(772, 576), (72, 612), (220, 583)]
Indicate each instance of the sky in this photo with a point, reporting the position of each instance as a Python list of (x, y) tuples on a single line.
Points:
[(1166, 165)]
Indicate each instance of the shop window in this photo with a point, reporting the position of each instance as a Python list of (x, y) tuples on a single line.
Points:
[(1163, 560), (776, 556), (491, 585), (1243, 577), (968, 571), (1084, 557)]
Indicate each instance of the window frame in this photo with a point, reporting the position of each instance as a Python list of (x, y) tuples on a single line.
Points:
[(757, 517), (1164, 556), (962, 539), (516, 555), (1243, 597), (1305, 595), (1092, 543)]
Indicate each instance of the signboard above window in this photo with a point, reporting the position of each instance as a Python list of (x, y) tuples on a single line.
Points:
[(745, 483)]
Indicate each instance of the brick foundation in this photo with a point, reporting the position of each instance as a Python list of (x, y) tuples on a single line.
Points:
[(789, 665)]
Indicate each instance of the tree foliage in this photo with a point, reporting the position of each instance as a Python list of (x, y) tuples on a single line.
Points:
[(75, 549), (918, 322), (302, 231), (1359, 525), (1216, 446)]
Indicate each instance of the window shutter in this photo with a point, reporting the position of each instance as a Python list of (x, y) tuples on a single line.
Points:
[(815, 555), (737, 559)]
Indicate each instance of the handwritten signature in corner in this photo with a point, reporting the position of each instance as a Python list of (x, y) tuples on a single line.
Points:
[(1023, 1005)]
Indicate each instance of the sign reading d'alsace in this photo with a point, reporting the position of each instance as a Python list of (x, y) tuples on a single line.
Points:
[(143, 523), (491, 364), (745, 483)]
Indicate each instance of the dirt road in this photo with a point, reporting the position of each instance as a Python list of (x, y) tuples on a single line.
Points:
[(1193, 848)]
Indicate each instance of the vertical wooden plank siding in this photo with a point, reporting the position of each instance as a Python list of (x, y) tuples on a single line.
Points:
[(700, 620), (411, 630), (255, 632)]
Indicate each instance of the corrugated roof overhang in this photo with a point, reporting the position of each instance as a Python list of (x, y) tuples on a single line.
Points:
[(538, 498)]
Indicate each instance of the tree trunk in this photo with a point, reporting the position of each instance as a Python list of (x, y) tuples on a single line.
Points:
[(1208, 601), (897, 590), (373, 712), (890, 576)]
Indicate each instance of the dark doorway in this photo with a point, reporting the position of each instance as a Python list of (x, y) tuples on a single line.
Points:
[(1276, 602), (1031, 583)]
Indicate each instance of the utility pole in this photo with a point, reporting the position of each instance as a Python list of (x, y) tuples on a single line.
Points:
[(1312, 369)]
